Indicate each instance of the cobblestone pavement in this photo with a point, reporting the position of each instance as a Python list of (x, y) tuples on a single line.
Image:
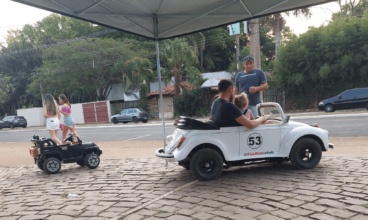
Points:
[(144, 188)]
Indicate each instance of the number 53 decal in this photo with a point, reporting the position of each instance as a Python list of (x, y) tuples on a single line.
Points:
[(254, 140)]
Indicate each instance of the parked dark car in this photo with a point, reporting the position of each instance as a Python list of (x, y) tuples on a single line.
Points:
[(131, 114), (13, 121), (352, 98)]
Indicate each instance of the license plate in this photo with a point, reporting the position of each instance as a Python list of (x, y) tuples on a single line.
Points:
[(145, 117), (21, 123)]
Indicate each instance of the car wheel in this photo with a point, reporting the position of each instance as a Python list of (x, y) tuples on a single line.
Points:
[(329, 108), (11, 126), (81, 163), (365, 107), (40, 165), (92, 160), (145, 121), (125, 122), (306, 153), (206, 164), (1, 127), (24, 126), (115, 120), (135, 119), (51, 165)]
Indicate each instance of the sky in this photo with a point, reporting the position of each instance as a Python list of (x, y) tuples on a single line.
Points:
[(14, 15)]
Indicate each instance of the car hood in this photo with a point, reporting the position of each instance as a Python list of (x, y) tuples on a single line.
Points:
[(297, 124), (330, 100)]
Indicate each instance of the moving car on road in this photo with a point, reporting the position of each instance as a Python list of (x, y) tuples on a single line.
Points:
[(132, 114), (352, 98), (206, 149), (13, 121)]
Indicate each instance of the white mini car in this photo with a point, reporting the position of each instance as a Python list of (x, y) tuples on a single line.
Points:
[(206, 149)]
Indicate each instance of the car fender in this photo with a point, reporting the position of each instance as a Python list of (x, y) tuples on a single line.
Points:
[(294, 134), (182, 153)]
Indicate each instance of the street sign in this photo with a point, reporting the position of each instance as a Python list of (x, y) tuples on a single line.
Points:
[(234, 29)]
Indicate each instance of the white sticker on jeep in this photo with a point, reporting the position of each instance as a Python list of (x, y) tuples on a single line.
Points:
[(254, 140)]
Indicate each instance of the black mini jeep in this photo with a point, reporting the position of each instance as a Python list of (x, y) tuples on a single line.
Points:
[(48, 155)]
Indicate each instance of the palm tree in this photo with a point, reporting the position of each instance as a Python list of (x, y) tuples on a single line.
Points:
[(136, 70), (178, 56), (277, 22)]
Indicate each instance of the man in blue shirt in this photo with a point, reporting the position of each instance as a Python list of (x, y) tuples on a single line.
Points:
[(252, 82)]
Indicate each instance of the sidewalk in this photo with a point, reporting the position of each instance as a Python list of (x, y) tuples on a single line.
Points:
[(135, 189)]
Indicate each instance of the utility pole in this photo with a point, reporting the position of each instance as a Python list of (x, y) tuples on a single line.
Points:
[(255, 49), (237, 53)]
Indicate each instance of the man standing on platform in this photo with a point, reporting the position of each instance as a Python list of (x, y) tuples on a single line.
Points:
[(252, 82)]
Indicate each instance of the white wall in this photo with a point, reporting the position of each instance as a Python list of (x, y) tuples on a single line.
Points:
[(34, 116)]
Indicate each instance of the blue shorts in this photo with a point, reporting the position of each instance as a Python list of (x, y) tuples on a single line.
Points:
[(69, 121)]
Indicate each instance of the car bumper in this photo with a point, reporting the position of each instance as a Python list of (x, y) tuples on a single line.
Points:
[(330, 146), (160, 153), (143, 118), (320, 107)]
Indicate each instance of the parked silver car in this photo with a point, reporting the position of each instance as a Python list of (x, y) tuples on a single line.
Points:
[(13, 121), (132, 114)]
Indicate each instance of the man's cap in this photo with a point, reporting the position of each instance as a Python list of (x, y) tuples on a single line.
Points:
[(248, 58)]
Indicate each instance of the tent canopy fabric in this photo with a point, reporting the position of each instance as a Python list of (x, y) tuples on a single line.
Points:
[(172, 18)]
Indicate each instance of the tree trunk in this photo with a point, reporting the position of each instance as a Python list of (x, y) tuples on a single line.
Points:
[(177, 77), (278, 27), (255, 49)]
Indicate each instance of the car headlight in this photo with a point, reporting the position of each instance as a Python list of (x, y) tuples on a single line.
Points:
[(321, 103)]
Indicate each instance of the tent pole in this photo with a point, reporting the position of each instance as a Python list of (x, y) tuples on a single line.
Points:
[(159, 79)]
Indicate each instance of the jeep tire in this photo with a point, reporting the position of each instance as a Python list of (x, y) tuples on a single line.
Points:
[(306, 153), (51, 165), (92, 160), (206, 164)]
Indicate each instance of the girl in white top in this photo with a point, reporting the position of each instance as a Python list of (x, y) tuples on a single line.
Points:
[(52, 114)]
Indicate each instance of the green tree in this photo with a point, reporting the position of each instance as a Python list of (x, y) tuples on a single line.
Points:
[(180, 60), (83, 67), (136, 71), (5, 89), (324, 61)]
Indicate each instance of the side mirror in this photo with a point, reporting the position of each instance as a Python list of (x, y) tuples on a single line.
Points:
[(119, 113), (340, 97), (287, 119)]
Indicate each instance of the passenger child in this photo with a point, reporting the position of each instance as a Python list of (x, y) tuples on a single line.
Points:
[(242, 102)]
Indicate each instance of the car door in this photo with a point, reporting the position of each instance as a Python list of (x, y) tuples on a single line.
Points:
[(362, 97), (6, 121), (263, 141), (349, 99), (130, 114), (122, 116)]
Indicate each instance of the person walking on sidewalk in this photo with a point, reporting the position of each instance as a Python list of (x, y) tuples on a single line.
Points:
[(252, 82)]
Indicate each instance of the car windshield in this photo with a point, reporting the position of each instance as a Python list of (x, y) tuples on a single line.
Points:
[(271, 112)]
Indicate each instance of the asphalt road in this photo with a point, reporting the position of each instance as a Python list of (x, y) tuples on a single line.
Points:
[(351, 126)]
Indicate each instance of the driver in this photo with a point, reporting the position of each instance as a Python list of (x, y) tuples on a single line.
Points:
[(225, 113)]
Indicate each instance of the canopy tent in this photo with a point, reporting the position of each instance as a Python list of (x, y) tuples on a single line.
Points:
[(162, 19)]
